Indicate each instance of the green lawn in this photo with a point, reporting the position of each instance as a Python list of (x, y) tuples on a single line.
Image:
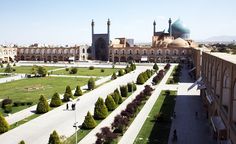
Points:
[(158, 132), (30, 89), (26, 69), (3, 76), (87, 72), (170, 79)]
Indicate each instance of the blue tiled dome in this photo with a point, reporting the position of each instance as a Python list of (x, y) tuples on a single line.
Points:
[(179, 27)]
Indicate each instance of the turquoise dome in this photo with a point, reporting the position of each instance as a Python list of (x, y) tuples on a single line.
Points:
[(179, 27)]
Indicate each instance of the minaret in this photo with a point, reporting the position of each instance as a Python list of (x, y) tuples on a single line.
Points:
[(154, 28), (93, 48), (108, 29), (170, 27)]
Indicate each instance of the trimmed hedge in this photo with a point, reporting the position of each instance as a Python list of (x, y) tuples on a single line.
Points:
[(55, 101), (54, 138), (68, 94), (4, 126), (91, 84), (89, 122), (124, 91), (110, 103), (42, 106), (78, 91), (100, 110)]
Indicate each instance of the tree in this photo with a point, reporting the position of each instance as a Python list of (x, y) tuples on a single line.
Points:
[(55, 101), (130, 87), (78, 91), (73, 70), (110, 103), (54, 138), (68, 94), (117, 97), (8, 69), (124, 91), (34, 69), (100, 110), (91, 84), (121, 72), (106, 136), (42, 71), (42, 106), (140, 79), (4, 126), (113, 76), (89, 122), (22, 142), (155, 67)]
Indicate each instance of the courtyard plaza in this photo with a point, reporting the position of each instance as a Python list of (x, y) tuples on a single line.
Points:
[(38, 130), (191, 127)]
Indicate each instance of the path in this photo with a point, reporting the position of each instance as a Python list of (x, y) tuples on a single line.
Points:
[(133, 130), (38, 130), (190, 129), (12, 78)]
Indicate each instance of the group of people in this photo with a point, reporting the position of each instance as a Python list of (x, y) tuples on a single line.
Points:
[(72, 106)]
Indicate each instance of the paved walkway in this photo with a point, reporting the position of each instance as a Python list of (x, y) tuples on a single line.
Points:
[(190, 129), (12, 118), (12, 78), (133, 130), (38, 130), (77, 76)]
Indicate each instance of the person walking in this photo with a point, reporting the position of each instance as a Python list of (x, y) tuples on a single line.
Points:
[(67, 106), (196, 114)]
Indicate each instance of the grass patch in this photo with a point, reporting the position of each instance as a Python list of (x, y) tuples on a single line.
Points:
[(29, 90), (171, 79), (27, 69), (87, 72), (25, 120), (154, 131), (3, 76)]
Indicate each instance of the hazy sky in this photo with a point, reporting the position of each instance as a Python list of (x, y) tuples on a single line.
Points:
[(69, 21)]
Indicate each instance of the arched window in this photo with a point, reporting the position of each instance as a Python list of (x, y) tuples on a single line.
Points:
[(116, 52), (130, 52), (83, 50), (152, 52), (137, 52), (123, 51), (226, 90)]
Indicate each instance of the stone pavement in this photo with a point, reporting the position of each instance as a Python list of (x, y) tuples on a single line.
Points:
[(12, 78), (190, 129)]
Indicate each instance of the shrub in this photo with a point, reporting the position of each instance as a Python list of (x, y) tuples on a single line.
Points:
[(106, 136), (29, 103), (117, 97), (22, 142), (119, 124), (78, 91), (133, 66), (67, 69), (155, 67), (4, 126), (113, 76), (89, 122), (134, 87), (130, 87), (124, 91), (14, 64), (68, 94), (6, 102), (55, 101), (16, 104), (42, 106), (42, 71), (8, 69), (102, 70), (121, 72), (100, 110), (140, 79), (91, 68), (1, 65), (54, 138), (91, 84), (73, 70), (167, 66), (110, 103), (8, 108)]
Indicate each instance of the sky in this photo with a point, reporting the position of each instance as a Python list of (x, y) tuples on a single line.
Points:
[(63, 22)]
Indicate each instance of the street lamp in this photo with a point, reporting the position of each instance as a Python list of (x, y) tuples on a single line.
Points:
[(75, 124)]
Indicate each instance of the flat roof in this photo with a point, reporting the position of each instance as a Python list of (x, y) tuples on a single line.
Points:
[(225, 56)]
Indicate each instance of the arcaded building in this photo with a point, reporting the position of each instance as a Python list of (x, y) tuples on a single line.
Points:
[(171, 46), (218, 91), (52, 54), (7, 54)]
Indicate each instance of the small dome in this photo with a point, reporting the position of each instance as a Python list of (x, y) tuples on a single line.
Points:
[(179, 42)]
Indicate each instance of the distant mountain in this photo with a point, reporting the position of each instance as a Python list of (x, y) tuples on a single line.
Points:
[(221, 39)]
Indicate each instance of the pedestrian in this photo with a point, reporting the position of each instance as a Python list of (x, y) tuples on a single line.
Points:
[(67, 106), (175, 135), (174, 115), (196, 114)]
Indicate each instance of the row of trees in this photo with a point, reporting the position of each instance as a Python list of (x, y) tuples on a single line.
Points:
[(144, 76), (122, 121), (111, 102), (130, 67)]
